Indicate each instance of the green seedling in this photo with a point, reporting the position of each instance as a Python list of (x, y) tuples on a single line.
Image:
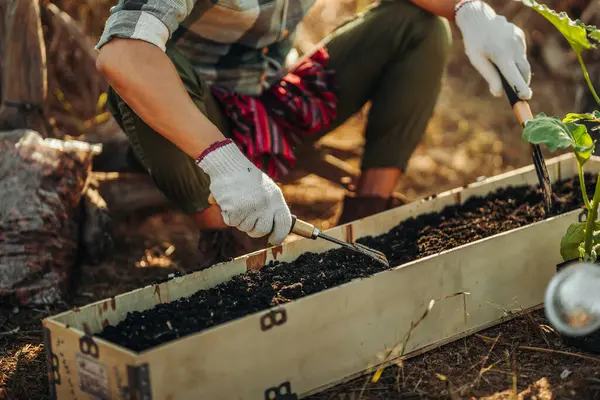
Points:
[(582, 239), (580, 36)]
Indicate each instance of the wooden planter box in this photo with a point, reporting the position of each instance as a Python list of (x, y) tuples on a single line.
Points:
[(323, 339)]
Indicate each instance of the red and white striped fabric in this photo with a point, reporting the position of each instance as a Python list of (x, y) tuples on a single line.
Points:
[(266, 128)]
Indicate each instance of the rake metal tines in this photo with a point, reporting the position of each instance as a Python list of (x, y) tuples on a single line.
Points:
[(367, 251), (375, 254)]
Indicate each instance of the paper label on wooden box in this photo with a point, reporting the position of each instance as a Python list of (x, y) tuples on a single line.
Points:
[(93, 378)]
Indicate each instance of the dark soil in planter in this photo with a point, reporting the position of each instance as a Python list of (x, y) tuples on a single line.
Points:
[(310, 273)]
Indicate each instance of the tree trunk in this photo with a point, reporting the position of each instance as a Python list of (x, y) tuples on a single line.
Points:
[(23, 66), (2, 35)]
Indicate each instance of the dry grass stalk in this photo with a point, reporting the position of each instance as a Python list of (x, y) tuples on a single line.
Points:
[(541, 349), (400, 347), (483, 368)]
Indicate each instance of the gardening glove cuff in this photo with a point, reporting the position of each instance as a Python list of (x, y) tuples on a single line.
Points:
[(248, 198), (490, 40)]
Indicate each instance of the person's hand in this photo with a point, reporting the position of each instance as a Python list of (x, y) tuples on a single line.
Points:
[(248, 198), (490, 39)]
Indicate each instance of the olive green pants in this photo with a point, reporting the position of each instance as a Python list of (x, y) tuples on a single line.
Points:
[(393, 55)]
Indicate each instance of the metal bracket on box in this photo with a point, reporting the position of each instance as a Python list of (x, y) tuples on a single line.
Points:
[(88, 347), (138, 377), (281, 392), (52, 363), (273, 318)]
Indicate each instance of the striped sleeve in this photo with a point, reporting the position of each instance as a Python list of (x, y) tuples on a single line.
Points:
[(153, 21)]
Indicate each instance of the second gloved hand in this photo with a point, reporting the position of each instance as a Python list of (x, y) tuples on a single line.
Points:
[(490, 38), (248, 198)]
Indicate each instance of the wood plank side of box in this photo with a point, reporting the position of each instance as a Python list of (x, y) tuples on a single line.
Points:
[(329, 336), (340, 332)]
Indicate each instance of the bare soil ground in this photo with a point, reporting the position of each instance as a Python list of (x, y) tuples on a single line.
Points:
[(470, 135), (521, 359)]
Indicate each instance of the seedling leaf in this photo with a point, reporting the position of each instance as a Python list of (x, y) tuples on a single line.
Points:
[(581, 240), (576, 32), (592, 117), (571, 242), (556, 134), (569, 245), (583, 140), (593, 33)]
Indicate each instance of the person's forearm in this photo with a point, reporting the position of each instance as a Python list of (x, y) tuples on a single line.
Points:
[(442, 8), (146, 79)]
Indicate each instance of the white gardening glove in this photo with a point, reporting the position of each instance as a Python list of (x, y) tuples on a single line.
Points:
[(248, 198), (490, 38)]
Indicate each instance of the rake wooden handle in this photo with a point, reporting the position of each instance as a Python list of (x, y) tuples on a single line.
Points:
[(523, 113), (304, 229), (520, 107)]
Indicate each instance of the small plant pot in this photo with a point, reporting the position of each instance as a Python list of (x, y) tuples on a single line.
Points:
[(565, 264), (589, 343)]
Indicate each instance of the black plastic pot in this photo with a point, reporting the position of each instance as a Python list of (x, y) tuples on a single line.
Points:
[(589, 343), (565, 264)]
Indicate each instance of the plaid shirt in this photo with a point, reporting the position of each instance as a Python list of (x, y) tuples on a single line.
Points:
[(239, 45)]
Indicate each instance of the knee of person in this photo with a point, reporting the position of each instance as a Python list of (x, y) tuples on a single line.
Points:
[(439, 38), (434, 35), (430, 31)]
